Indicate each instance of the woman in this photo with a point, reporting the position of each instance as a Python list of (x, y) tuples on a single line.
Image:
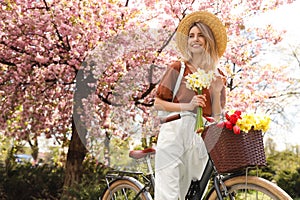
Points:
[(181, 155)]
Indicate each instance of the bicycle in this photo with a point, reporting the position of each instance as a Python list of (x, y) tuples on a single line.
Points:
[(122, 185)]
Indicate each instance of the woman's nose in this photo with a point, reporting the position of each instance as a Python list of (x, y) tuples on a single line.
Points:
[(196, 38)]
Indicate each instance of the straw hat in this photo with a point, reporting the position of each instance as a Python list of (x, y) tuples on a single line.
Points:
[(211, 21)]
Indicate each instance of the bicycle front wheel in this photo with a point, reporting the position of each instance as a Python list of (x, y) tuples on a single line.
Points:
[(126, 188), (251, 188)]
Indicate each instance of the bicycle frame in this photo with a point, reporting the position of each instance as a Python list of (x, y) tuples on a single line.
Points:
[(209, 171)]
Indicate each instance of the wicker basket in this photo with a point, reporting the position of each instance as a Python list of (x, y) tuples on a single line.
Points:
[(231, 152)]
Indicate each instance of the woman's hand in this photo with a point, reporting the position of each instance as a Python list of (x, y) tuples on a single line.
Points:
[(198, 100), (216, 85)]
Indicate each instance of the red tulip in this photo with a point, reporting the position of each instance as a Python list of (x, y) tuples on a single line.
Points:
[(228, 125), (210, 119), (233, 118), (227, 116), (238, 112), (221, 124), (236, 130)]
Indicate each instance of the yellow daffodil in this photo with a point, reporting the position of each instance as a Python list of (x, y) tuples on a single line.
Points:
[(196, 82)]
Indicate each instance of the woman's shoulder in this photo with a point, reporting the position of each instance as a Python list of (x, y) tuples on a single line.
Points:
[(175, 65)]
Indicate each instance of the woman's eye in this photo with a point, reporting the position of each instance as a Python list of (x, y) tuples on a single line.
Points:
[(198, 35)]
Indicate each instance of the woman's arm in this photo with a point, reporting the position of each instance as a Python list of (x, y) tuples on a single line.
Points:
[(216, 105), (216, 88), (197, 100)]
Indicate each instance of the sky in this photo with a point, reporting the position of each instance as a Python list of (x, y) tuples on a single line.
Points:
[(285, 18)]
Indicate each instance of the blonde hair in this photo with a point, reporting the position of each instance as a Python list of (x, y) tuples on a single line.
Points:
[(210, 43)]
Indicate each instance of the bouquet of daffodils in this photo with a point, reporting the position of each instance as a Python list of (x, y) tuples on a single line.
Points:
[(196, 82), (238, 121)]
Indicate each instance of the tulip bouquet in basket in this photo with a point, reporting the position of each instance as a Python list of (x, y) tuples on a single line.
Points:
[(242, 121), (197, 81), (239, 143)]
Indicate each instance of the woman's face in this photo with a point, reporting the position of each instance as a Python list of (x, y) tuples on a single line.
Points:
[(196, 41)]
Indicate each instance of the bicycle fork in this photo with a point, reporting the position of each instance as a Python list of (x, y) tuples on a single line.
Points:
[(218, 183)]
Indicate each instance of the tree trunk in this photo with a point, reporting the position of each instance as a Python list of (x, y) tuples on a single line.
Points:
[(107, 149), (34, 149), (77, 147), (75, 156)]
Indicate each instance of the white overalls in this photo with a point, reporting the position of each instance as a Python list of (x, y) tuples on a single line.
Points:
[(180, 157)]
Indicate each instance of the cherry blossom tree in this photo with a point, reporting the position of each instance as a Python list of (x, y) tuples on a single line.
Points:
[(74, 69)]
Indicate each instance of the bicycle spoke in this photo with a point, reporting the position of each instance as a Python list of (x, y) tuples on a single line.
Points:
[(248, 194), (125, 190), (124, 193)]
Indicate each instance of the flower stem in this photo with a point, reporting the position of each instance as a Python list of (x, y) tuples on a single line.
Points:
[(199, 119)]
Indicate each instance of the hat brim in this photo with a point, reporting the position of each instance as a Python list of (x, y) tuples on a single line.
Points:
[(216, 26)]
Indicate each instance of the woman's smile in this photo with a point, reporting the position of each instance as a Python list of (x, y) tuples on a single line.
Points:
[(196, 45)]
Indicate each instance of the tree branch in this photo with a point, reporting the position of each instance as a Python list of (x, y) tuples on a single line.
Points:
[(294, 53), (126, 4), (284, 94), (2, 61)]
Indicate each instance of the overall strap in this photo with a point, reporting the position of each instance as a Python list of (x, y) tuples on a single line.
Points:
[(178, 79), (163, 114)]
